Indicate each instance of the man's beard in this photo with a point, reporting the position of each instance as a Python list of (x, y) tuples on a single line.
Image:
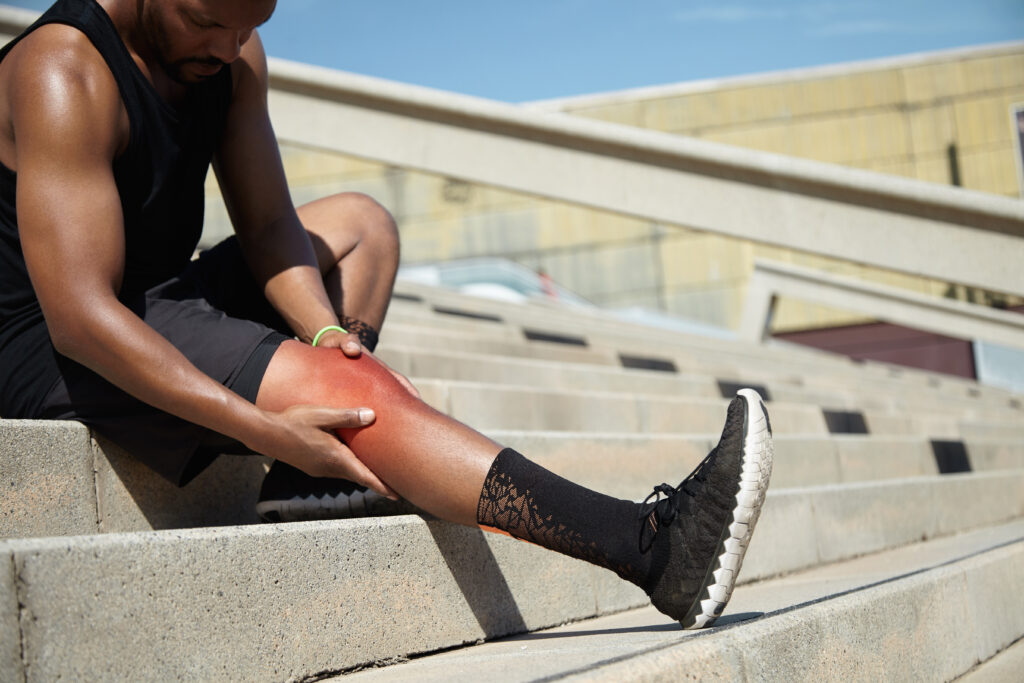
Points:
[(178, 70), (175, 69)]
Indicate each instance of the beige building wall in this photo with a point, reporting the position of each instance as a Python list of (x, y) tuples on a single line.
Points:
[(945, 118), (898, 116)]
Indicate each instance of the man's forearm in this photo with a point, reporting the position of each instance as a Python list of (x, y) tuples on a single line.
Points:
[(122, 348), (284, 263), (119, 346), (298, 294)]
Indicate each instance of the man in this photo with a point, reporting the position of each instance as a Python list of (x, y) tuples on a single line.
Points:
[(110, 114)]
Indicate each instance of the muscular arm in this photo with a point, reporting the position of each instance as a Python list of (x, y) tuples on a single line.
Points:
[(69, 124), (251, 175)]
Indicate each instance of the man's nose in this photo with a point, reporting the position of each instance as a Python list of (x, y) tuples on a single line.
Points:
[(229, 44)]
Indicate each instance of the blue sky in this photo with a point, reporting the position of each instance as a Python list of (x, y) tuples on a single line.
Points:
[(520, 50)]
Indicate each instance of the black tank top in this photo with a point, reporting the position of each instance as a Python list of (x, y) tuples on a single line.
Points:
[(160, 178)]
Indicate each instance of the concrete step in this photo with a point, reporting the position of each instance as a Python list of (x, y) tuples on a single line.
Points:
[(60, 481), (927, 611), (601, 330), (1005, 667), (626, 465), (471, 367), (433, 304), (819, 386), (276, 601), (596, 324), (603, 334), (512, 341), (44, 451), (495, 406), (499, 406), (914, 413)]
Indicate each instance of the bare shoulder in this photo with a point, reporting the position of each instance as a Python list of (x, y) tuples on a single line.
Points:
[(55, 79), (60, 57), (249, 71)]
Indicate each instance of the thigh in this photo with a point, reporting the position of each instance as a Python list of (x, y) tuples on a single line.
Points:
[(232, 351)]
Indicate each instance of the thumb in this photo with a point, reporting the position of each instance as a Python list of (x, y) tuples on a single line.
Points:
[(346, 418)]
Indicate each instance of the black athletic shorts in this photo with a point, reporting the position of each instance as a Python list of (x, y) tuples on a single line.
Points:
[(217, 316)]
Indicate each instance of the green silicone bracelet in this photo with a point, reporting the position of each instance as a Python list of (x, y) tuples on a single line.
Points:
[(329, 328)]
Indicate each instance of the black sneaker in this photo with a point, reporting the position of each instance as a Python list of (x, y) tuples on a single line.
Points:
[(700, 531), (290, 495)]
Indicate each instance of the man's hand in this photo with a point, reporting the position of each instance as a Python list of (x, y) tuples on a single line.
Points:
[(352, 348), (303, 436), (346, 341)]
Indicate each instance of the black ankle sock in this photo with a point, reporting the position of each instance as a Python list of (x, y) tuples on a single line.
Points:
[(367, 335), (528, 502)]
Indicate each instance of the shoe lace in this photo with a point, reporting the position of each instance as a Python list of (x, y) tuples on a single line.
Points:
[(661, 512)]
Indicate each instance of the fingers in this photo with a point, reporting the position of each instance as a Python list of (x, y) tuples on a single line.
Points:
[(352, 467), (334, 418), (348, 343), (355, 470), (337, 461), (351, 347), (326, 455), (348, 418)]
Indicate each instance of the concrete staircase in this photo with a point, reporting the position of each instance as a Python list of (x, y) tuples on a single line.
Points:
[(891, 544)]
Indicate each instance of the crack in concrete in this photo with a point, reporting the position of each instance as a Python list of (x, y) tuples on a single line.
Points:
[(22, 609), (332, 673), (96, 482)]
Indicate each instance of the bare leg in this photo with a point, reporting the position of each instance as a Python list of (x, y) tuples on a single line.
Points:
[(431, 460), (356, 244), (357, 250), (669, 547)]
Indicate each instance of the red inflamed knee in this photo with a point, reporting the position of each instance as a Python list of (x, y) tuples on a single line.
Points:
[(327, 377)]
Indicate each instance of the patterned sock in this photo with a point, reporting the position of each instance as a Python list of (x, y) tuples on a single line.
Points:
[(368, 336), (528, 502)]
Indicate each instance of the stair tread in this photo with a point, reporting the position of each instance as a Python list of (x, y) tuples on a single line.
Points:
[(585, 646)]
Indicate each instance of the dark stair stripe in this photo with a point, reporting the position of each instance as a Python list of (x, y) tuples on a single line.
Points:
[(845, 421), (729, 388), (951, 457), (645, 363), (468, 314), (535, 335)]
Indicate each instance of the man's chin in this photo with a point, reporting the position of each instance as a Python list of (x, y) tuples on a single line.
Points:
[(190, 73)]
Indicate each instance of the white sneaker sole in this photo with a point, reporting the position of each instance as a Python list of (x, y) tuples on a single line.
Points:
[(757, 470), (297, 508)]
